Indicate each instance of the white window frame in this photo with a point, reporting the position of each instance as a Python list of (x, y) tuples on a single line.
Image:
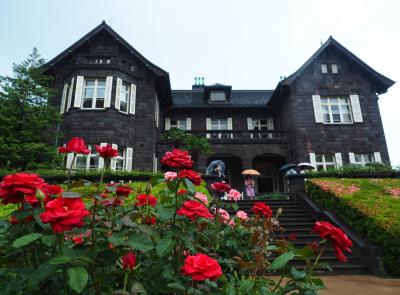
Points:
[(87, 157), (121, 157), (181, 124), (324, 68), (217, 96), (126, 94), (325, 163), (220, 126), (334, 69), (363, 162), (340, 105), (94, 98)]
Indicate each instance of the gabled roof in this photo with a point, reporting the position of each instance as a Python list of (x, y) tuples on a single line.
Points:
[(382, 82)]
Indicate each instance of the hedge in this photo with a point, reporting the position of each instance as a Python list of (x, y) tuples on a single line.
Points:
[(370, 206)]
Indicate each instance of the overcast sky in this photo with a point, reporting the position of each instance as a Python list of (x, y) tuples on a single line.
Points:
[(248, 44)]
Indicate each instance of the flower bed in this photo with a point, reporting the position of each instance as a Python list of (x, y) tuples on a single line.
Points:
[(370, 206), (116, 239)]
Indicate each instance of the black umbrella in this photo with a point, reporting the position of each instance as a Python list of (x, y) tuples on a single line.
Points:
[(306, 166), (286, 167)]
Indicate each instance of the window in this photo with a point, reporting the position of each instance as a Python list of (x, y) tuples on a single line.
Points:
[(362, 159), (324, 68), (262, 124), (325, 161), (334, 68), (124, 98), (119, 160), (179, 124), (94, 94), (86, 162), (220, 124), (217, 96), (336, 110)]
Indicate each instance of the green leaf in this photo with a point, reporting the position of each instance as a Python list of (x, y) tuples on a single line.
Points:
[(272, 247), (297, 274), (49, 241), (26, 240), (165, 246), (71, 195), (189, 185), (281, 261), (60, 260), (246, 287), (77, 278), (176, 286), (165, 214), (137, 288), (116, 239), (235, 206), (140, 242)]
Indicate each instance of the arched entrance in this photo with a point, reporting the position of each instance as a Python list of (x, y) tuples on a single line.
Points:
[(233, 168), (270, 181)]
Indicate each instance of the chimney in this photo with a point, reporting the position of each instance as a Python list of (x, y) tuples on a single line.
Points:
[(198, 83)]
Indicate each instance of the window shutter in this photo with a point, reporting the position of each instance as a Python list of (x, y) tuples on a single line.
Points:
[(188, 123), (70, 158), (352, 158), (317, 109), (107, 96), (132, 100), (270, 123), (118, 93), (229, 123), (377, 157), (338, 158), (113, 161), (101, 160), (208, 126), (155, 162), (249, 123), (324, 68), (78, 92), (167, 123), (128, 160), (157, 112), (63, 97), (313, 161), (71, 88), (355, 106), (334, 68)]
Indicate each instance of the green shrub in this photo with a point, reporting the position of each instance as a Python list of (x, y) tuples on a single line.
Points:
[(371, 210), (273, 196), (353, 169)]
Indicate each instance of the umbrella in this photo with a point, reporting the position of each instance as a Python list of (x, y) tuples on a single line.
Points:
[(286, 167), (291, 172), (306, 166), (210, 168), (251, 172)]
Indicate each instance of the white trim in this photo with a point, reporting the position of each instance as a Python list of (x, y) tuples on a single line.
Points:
[(334, 68), (63, 97), (107, 94), (355, 106), (313, 161), (118, 93), (113, 160), (188, 123), (338, 159), (324, 68), (132, 100), (157, 111), (270, 123), (317, 109), (70, 91), (352, 159), (208, 126), (377, 157), (78, 92), (128, 159), (70, 157), (167, 123), (249, 124), (155, 162), (101, 160)]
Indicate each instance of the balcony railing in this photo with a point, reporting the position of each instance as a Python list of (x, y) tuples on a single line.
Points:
[(241, 135)]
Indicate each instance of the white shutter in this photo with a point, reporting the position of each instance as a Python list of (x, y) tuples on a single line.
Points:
[(270, 123), (63, 97), (78, 92), (352, 158), (70, 91), (167, 123), (377, 157), (113, 161), (249, 123), (155, 160), (118, 93), (208, 126), (101, 160), (229, 123), (313, 161), (128, 159), (324, 68), (70, 157), (317, 109), (132, 100), (107, 95), (355, 106), (188, 123), (157, 112), (338, 158)]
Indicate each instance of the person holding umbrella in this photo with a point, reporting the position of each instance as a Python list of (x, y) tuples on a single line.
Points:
[(249, 182)]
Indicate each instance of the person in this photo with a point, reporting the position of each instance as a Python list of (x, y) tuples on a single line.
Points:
[(249, 185)]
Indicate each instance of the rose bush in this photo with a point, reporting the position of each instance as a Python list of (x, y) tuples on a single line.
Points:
[(175, 242)]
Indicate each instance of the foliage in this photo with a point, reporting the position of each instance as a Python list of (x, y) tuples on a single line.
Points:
[(273, 196), (371, 206), (26, 118), (189, 142), (369, 168)]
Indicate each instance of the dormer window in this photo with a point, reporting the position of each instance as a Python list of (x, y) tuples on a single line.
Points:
[(334, 68), (324, 68), (329, 68), (217, 96)]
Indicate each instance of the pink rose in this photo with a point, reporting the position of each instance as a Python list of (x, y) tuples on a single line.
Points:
[(232, 222), (223, 215), (168, 176), (234, 195), (242, 215), (202, 197)]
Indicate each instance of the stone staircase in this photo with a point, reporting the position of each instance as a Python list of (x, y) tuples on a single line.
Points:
[(296, 220)]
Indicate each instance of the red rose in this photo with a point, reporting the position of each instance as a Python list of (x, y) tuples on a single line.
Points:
[(292, 237), (150, 220), (74, 145), (112, 202), (201, 267), (221, 187), (123, 191), (339, 239), (63, 214), (51, 191), (182, 191), (260, 208), (177, 159), (141, 200), (106, 151), (191, 175), (14, 220), (192, 210), (129, 261), (20, 187)]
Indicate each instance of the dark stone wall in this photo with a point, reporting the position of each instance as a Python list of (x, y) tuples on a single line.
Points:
[(297, 112)]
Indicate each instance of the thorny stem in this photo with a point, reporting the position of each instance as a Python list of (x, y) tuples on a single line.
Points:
[(316, 260)]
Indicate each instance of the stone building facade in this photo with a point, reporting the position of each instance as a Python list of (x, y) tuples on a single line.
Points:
[(325, 113)]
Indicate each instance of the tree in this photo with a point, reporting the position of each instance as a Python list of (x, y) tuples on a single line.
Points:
[(28, 122)]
